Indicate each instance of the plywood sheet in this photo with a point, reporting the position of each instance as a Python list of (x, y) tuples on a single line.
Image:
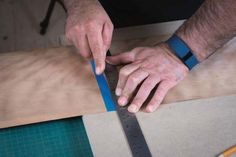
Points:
[(44, 85), (203, 127), (23, 75)]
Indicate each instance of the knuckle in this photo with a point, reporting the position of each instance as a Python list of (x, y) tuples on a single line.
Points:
[(89, 25), (137, 101), (126, 93), (154, 101), (78, 28), (132, 79), (147, 86), (96, 49), (74, 31), (123, 72)]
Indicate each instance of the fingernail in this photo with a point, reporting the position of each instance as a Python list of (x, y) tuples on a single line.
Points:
[(118, 91), (151, 108), (98, 70), (133, 108), (122, 101), (109, 60)]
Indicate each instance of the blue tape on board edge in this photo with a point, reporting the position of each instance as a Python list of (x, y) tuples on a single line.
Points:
[(105, 90)]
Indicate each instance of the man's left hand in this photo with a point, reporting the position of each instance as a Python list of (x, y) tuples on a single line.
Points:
[(148, 67)]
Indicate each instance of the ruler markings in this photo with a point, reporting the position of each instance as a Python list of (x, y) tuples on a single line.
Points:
[(129, 122)]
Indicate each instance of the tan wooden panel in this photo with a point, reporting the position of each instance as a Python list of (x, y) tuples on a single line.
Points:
[(44, 85)]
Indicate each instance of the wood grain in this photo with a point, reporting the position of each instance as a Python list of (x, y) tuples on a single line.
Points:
[(56, 83), (44, 85)]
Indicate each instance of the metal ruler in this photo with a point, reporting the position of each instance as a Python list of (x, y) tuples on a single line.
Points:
[(129, 122)]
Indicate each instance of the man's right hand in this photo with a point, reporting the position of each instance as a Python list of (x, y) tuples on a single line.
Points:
[(90, 29)]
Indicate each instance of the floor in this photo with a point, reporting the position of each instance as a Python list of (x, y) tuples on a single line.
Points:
[(19, 26), (20, 19)]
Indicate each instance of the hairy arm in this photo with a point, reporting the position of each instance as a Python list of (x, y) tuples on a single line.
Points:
[(207, 30), (210, 27), (73, 5)]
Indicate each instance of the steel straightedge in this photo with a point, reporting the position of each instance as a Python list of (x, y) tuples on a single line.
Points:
[(129, 122)]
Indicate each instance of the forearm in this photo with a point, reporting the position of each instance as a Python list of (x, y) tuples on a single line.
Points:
[(71, 5), (210, 27)]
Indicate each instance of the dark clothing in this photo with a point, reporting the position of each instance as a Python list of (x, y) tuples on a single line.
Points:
[(138, 12)]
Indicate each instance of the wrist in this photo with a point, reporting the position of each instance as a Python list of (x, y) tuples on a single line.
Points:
[(181, 50), (164, 46), (195, 43)]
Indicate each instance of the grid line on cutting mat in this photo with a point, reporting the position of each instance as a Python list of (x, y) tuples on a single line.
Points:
[(64, 138)]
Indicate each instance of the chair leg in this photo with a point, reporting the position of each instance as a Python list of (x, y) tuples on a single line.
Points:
[(62, 4), (45, 22)]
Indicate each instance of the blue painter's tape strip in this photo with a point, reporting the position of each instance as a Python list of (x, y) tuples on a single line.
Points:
[(105, 90)]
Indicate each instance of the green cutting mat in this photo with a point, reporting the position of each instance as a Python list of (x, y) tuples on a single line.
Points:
[(64, 138)]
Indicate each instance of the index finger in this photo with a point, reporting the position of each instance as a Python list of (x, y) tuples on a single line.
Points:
[(98, 49)]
